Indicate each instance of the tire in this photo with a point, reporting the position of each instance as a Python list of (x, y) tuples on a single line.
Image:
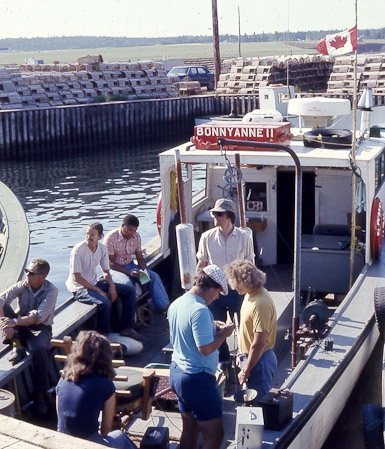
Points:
[(379, 309), (372, 425), (211, 85), (328, 138)]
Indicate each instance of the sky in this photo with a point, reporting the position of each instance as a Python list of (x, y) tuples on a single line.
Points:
[(162, 18)]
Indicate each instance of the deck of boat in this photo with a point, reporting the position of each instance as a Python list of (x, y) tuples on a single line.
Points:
[(156, 334)]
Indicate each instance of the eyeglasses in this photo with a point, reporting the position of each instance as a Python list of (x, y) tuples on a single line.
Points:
[(30, 273), (217, 214)]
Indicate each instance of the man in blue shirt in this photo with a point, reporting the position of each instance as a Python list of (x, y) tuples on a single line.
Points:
[(196, 338)]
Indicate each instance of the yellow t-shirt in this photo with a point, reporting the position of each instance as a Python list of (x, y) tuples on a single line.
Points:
[(258, 314)]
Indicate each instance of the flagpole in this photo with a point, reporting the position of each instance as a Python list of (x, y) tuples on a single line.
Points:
[(353, 163)]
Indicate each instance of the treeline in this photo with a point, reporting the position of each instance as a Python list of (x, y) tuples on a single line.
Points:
[(78, 42)]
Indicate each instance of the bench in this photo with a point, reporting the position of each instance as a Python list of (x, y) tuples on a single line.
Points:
[(69, 317)]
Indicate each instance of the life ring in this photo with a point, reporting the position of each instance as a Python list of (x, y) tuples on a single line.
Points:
[(328, 138), (159, 214), (376, 228)]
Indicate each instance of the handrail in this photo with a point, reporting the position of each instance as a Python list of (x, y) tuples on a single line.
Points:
[(297, 229)]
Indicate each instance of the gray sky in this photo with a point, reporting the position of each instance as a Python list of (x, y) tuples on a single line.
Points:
[(156, 18)]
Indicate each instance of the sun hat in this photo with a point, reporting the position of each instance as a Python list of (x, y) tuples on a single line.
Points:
[(217, 275), (224, 205)]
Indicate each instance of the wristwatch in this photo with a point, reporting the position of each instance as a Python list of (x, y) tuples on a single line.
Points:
[(15, 320)]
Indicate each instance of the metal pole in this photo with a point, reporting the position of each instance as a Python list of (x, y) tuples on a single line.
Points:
[(217, 56), (239, 33), (297, 229), (241, 203), (353, 162), (182, 206)]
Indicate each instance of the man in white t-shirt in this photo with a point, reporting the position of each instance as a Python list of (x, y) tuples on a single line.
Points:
[(82, 282)]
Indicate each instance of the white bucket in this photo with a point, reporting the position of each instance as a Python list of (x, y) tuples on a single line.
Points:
[(7, 403)]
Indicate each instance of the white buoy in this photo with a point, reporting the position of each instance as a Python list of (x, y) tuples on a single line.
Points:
[(186, 254)]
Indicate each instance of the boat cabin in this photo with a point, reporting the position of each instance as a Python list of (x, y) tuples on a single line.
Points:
[(268, 186)]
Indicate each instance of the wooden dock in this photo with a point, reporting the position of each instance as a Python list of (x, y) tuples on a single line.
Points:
[(50, 131)]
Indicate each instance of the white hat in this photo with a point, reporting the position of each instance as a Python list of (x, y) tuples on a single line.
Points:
[(217, 275)]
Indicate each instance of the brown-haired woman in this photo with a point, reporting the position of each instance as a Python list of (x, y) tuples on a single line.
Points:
[(85, 389)]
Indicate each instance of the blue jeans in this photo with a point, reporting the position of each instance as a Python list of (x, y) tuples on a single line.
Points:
[(157, 291), (261, 376), (230, 303), (127, 296), (36, 338), (116, 439)]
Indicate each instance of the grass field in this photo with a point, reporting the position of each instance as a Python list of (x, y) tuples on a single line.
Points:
[(250, 49), (157, 52)]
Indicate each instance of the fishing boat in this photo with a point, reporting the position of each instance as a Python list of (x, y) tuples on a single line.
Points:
[(293, 188), (14, 238)]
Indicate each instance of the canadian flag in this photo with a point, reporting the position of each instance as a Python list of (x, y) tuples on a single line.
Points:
[(338, 44)]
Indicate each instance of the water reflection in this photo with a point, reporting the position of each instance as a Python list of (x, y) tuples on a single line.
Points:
[(61, 197)]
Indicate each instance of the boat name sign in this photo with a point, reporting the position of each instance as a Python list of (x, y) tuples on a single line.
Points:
[(206, 135)]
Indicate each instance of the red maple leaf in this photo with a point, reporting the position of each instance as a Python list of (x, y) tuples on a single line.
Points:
[(338, 42)]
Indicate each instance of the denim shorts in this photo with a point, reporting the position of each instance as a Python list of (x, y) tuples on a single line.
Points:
[(197, 394)]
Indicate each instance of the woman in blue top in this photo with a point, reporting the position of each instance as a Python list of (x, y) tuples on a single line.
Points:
[(86, 389)]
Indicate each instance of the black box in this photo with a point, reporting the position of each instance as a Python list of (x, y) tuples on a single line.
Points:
[(155, 438), (277, 406)]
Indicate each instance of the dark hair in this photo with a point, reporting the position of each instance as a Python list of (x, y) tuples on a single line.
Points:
[(90, 354), (42, 265), (97, 226), (204, 281), (130, 220), (230, 215)]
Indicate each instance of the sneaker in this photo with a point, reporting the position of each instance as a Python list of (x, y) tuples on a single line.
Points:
[(17, 355)]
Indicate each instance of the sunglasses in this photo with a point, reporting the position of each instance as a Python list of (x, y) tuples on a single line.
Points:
[(217, 214), (30, 273)]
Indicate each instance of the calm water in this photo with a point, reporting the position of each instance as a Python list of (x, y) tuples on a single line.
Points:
[(62, 197)]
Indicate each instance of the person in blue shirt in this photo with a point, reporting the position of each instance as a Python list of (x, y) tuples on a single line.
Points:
[(196, 338), (86, 389)]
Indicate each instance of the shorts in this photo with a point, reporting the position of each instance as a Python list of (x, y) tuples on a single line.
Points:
[(197, 393)]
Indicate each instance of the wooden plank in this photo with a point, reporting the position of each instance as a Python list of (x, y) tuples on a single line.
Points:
[(9, 371), (70, 316)]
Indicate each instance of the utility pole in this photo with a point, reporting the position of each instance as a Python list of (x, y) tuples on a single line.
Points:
[(239, 33), (217, 56)]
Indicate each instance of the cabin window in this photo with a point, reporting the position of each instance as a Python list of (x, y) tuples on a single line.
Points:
[(256, 196), (380, 169), (198, 180)]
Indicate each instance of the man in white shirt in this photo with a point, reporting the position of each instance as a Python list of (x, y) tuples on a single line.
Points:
[(82, 282), (220, 246)]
